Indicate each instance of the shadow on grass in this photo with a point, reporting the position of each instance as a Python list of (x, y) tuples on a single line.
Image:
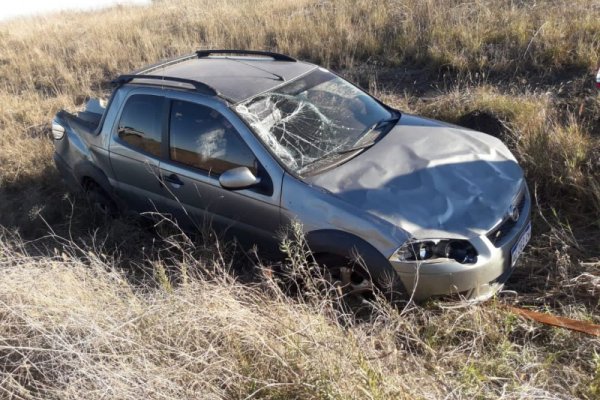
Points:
[(31, 203), (48, 219)]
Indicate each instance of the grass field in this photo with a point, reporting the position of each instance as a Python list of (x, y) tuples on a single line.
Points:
[(111, 309)]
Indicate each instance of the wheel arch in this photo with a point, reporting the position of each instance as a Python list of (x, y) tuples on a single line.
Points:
[(88, 174), (347, 245)]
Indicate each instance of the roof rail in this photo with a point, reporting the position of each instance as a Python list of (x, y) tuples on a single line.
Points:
[(274, 56), (199, 86), (164, 63)]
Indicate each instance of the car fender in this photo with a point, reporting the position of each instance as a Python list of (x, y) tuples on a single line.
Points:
[(85, 169), (352, 247)]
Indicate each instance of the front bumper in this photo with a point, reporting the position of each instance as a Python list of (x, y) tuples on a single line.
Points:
[(475, 282)]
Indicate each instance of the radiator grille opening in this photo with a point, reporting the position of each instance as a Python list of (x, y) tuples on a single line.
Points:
[(497, 234)]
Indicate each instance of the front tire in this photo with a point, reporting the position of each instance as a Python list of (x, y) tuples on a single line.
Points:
[(353, 282), (349, 279)]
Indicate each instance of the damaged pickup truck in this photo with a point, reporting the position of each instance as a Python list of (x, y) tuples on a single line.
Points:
[(250, 141)]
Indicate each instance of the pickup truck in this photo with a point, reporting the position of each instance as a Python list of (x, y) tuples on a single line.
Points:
[(249, 141)]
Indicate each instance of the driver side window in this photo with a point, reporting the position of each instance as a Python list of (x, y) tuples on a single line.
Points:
[(202, 138)]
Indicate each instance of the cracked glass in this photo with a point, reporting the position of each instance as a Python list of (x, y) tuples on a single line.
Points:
[(316, 120)]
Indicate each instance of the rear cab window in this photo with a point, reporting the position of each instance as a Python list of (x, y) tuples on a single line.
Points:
[(140, 125)]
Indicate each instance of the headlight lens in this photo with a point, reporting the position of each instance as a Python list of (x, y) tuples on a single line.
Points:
[(427, 250)]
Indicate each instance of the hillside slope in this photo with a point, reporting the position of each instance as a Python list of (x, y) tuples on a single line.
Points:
[(92, 308)]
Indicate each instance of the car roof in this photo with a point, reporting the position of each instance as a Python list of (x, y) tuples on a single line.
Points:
[(235, 78)]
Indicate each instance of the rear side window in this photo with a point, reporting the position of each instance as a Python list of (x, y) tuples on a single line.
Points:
[(203, 138), (140, 123)]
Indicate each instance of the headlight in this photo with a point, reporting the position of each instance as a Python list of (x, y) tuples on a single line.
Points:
[(428, 250)]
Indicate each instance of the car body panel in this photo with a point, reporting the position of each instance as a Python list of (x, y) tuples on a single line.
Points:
[(136, 174), (432, 180), (316, 209), (475, 281), (200, 203)]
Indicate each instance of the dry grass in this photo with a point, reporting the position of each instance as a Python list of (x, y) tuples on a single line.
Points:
[(50, 63), (74, 326), (79, 322)]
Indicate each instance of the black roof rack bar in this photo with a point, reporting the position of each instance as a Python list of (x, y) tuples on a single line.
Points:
[(199, 86), (164, 63), (274, 56)]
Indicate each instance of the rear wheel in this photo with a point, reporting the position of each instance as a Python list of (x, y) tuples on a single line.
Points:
[(100, 202)]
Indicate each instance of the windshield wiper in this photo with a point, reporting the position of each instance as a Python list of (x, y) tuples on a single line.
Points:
[(367, 139), (362, 143), (329, 158)]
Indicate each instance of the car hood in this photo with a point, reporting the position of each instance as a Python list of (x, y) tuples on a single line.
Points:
[(431, 179)]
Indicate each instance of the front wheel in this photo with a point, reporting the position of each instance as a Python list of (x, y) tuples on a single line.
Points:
[(349, 279), (353, 282)]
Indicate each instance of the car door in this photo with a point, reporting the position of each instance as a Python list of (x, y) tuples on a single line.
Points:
[(135, 150), (203, 144)]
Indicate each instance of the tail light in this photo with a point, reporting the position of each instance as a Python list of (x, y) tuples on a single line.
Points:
[(58, 131)]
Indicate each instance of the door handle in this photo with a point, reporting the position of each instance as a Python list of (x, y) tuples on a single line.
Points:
[(173, 180)]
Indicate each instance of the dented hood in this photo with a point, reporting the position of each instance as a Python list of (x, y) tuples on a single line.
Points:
[(432, 179)]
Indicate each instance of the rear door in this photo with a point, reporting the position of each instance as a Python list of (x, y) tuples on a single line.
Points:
[(135, 150), (203, 143)]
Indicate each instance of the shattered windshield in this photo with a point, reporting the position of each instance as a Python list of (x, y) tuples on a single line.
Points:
[(315, 118)]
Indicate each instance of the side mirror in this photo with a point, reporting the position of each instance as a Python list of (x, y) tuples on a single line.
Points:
[(238, 178)]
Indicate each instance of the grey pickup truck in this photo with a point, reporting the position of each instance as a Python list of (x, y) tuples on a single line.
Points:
[(249, 141)]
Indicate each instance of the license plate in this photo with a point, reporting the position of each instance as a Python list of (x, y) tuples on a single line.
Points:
[(520, 245)]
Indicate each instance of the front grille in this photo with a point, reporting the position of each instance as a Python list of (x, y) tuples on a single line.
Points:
[(497, 234)]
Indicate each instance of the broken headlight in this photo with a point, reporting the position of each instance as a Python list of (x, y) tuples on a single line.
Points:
[(460, 251)]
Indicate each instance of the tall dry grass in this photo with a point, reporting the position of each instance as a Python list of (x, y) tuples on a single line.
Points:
[(73, 325), (48, 63), (100, 314)]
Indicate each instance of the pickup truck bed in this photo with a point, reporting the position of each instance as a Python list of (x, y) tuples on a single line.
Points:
[(84, 144), (82, 122), (86, 120)]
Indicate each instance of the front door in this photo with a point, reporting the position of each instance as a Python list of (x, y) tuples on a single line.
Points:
[(202, 145)]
